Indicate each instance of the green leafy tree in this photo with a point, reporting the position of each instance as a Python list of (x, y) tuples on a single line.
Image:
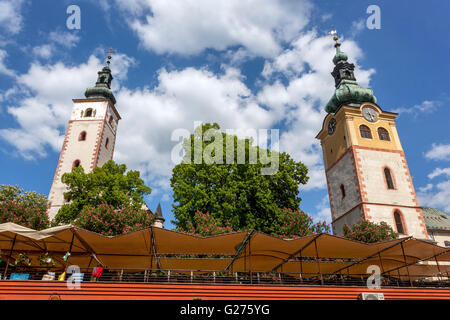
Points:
[(235, 191), (28, 209), (110, 184), (107, 220), (369, 232)]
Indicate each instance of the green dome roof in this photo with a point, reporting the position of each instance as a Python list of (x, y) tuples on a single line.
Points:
[(102, 87)]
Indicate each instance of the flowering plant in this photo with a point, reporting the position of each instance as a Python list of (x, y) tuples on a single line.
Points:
[(370, 232), (204, 224), (107, 220), (295, 224)]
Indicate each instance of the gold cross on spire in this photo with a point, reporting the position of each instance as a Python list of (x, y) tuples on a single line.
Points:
[(110, 52), (334, 34)]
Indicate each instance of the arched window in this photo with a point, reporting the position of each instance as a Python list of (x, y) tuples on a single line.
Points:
[(383, 134), (82, 136), (88, 113), (365, 131), (388, 176), (76, 163), (107, 143), (399, 222), (342, 191)]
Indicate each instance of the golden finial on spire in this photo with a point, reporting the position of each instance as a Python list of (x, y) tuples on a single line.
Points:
[(334, 34)]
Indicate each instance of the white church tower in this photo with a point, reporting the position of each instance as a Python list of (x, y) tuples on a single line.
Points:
[(90, 135)]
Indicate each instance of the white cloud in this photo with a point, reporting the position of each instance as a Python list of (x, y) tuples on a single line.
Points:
[(180, 99), (438, 172), (437, 197), (191, 26), (425, 107), (44, 51), (10, 15), (3, 68), (43, 113), (439, 152), (323, 212), (64, 38)]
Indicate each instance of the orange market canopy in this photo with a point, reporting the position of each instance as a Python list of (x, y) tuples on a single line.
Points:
[(248, 251)]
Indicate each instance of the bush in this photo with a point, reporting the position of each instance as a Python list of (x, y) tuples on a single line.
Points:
[(106, 220), (369, 232)]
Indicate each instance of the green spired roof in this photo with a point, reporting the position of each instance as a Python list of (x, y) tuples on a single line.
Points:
[(348, 91), (436, 219)]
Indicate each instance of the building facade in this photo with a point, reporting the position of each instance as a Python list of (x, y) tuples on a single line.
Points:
[(90, 135), (366, 170)]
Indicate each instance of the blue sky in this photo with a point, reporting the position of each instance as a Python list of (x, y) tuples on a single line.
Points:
[(245, 64)]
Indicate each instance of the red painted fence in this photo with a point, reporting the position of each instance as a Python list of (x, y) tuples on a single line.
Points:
[(42, 290)]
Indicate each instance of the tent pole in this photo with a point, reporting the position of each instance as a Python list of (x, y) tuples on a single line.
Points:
[(318, 262), (250, 260), (381, 263), (406, 264), (10, 254)]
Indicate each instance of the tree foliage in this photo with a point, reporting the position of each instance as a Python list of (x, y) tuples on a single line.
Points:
[(110, 184), (234, 192), (369, 232), (28, 209), (107, 220)]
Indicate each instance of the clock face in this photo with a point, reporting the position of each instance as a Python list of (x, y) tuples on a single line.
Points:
[(331, 126), (370, 114)]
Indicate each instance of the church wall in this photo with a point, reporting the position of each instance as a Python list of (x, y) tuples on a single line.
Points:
[(343, 172), (87, 151), (371, 164)]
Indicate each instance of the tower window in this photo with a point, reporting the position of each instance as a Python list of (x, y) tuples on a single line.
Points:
[(111, 121), (365, 131), (76, 163), (82, 136), (399, 222), (388, 176), (88, 113), (383, 134), (342, 191), (107, 143)]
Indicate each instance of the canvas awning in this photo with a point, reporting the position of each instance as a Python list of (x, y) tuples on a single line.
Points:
[(156, 248)]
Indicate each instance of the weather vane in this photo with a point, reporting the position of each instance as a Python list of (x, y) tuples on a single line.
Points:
[(334, 34), (110, 52)]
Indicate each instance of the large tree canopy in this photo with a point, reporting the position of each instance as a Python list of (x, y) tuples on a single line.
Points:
[(110, 184), (237, 191), (28, 209)]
